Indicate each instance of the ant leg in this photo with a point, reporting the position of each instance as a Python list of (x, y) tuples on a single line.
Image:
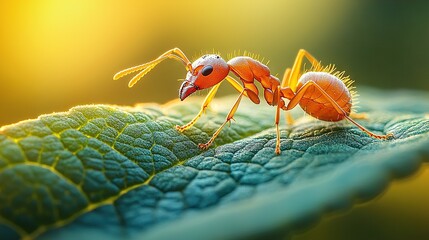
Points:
[(296, 68), (204, 106), (371, 134), (289, 119), (228, 118), (277, 120), (248, 93), (285, 81), (358, 115), (209, 98), (291, 76), (235, 84), (174, 53), (295, 100)]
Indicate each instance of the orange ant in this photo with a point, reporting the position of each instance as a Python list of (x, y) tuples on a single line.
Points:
[(322, 92)]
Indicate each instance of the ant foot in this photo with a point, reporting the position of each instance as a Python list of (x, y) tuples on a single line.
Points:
[(204, 146), (181, 128), (390, 136), (384, 137)]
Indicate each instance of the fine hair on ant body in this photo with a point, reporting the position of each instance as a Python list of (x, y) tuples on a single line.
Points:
[(322, 92)]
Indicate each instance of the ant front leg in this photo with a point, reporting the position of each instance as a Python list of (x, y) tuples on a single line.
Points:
[(230, 116), (250, 94), (210, 97), (204, 106)]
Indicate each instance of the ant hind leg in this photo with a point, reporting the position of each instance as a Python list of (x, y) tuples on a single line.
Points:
[(295, 100), (358, 115)]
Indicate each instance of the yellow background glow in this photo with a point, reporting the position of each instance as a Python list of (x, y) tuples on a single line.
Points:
[(58, 54)]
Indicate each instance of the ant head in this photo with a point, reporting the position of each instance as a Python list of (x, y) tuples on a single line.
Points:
[(206, 72)]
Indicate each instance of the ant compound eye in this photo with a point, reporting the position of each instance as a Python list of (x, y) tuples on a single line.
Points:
[(207, 70)]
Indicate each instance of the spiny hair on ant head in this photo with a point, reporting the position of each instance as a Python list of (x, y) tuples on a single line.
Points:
[(204, 54)]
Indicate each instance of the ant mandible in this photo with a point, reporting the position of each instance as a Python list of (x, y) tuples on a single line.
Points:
[(322, 92)]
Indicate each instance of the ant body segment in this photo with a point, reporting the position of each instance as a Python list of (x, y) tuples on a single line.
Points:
[(322, 92)]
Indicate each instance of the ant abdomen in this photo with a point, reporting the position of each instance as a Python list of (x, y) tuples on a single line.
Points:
[(315, 103)]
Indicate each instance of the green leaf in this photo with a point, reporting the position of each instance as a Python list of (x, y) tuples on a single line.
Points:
[(125, 172)]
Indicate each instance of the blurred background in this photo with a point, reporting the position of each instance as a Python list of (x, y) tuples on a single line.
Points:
[(58, 54)]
